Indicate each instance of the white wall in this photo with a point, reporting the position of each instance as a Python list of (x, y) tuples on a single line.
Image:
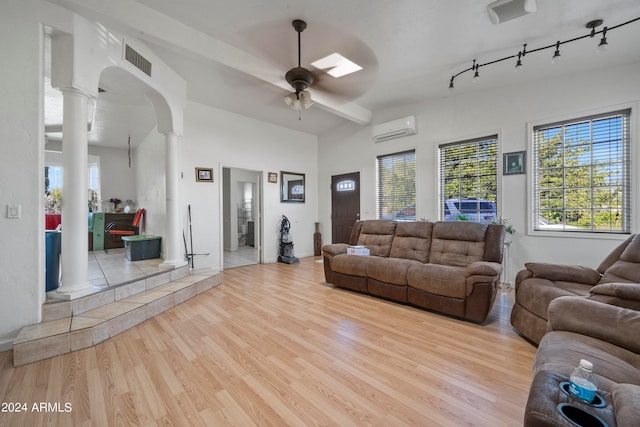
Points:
[(22, 172), (216, 138), (505, 111), (150, 179)]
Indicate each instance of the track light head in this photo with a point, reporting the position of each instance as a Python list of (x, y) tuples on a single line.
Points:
[(603, 41), (519, 63), (556, 55)]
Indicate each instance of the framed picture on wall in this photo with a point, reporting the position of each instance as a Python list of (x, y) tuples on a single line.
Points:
[(513, 163), (273, 177), (204, 174)]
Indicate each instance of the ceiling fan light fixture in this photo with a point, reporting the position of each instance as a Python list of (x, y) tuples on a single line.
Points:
[(299, 101)]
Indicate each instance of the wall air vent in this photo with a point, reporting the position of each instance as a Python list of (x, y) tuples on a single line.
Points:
[(394, 129), (137, 60)]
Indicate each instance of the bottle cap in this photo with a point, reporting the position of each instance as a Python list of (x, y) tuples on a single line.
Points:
[(586, 364)]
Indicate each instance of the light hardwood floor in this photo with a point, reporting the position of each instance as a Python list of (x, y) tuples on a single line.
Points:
[(274, 345)]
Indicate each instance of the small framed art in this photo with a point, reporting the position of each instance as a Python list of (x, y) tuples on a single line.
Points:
[(204, 174), (513, 163), (273, 177)]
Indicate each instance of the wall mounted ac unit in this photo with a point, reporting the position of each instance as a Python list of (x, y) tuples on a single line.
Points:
[(506, 10), (394, 129)]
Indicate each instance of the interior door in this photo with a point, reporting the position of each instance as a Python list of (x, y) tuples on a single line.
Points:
[(345, 205)]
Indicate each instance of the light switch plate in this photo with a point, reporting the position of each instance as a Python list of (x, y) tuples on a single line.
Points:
[(13, 211)]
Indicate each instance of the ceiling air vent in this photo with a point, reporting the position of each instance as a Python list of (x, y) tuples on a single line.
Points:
[(137, 60)]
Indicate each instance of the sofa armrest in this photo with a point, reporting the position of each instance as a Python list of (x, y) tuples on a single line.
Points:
[(335, 249), (565, 273), (483, 268), (626, 401), (616, 325)]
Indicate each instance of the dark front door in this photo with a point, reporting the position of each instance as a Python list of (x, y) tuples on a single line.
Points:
[(345, 205)]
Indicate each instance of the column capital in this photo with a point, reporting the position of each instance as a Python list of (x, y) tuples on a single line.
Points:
[(77, 91)]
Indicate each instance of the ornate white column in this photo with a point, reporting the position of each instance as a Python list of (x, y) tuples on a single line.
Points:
[(75, 186), (174, 256)]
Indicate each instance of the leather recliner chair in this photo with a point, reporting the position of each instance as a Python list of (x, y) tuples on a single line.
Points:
[(540, 283)]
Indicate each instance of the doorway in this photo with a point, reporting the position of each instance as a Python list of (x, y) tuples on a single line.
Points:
[(345, 205), (241, 214)]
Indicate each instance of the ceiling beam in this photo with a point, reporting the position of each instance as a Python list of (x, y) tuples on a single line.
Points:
[(145, 23)]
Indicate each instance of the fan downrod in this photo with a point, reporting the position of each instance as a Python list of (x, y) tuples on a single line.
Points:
[(299, 77)]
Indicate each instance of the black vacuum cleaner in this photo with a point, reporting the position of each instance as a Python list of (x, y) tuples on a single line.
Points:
[(286, 246)]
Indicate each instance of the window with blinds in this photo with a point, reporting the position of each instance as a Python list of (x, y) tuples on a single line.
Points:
[(469, 180), (582, 180), (397, 186)]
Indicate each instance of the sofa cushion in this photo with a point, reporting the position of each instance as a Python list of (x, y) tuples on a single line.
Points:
[(560, 351), (621, 290), (437, 279), (622, 271), (614, 255), (390, 270), (535, 294), (353, 265), (412, 240), (569, 273), (377, 235), (627, 268), (457, 243)]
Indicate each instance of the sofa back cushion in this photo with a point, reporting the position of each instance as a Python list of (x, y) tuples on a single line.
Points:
[(457, 243), (355, 233), (377, 235), (627, 268), (412, 241), (614, 255)]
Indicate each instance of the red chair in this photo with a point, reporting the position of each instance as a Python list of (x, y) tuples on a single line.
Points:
[(121, 228)]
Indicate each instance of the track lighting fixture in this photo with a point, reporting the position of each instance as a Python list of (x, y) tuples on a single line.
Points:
[(603, 42), (556, 55), (592, 25), (519, 63)]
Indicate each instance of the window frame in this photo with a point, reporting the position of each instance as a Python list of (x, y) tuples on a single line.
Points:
[(443, 197), (631, 174)]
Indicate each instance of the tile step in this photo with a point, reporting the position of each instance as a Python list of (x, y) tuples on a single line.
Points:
[(73, 325)]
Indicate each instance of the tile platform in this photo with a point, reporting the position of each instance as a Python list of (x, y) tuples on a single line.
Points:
[(84, 322)]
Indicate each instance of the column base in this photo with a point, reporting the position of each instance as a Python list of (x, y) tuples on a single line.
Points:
[(173, 263), (70, 294)]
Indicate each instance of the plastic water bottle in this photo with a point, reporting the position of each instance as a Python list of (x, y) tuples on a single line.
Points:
[(582, 384)]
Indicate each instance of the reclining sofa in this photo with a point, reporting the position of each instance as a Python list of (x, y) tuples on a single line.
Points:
[(606, 335), (540, 283), (449, 267)]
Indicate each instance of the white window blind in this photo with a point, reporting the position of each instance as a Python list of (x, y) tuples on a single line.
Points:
[(468, 180), (582, 179), (397, 186)]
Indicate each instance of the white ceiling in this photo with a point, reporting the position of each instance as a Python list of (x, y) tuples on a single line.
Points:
[(409, 50)]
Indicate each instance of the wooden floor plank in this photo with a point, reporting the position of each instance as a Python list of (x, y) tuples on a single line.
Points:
[(275, 345)]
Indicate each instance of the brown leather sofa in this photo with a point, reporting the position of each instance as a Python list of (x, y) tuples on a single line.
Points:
[(605, 334), (540, 283), (449, 267)]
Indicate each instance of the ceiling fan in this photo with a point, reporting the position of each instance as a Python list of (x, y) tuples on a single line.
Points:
[(299, 77)]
